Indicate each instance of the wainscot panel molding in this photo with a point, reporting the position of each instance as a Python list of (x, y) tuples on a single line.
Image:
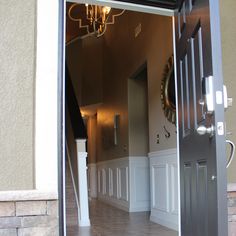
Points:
[(92, 180), (124, 183), (164, 188)]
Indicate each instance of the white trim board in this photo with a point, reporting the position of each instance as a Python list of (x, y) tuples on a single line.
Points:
[(46, 104), (161, 153)]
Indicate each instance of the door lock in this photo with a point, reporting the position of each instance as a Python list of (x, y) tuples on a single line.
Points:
[(228, 102), (208, 92), (202, 130)]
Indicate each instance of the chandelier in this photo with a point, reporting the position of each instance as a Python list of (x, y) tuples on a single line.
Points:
[(93, 18)]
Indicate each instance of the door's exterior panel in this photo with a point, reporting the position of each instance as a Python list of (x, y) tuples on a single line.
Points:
[(202, 219), (187, 209), (200, 195), (197, 63), (181, 19)]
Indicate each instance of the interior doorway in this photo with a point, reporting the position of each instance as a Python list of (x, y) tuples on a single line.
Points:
[(198, 64), (134, 159)]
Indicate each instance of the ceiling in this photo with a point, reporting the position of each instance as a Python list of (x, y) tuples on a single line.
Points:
[(72, 27), (170, 4)]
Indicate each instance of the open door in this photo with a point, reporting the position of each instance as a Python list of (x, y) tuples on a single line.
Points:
[(201, 119), (203, 183)]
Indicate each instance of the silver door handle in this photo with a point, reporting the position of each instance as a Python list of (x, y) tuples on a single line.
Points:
[(201, 130), (231, 157)]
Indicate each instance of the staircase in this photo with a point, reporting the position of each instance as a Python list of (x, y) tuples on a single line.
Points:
[(71, 206), (72, 226)]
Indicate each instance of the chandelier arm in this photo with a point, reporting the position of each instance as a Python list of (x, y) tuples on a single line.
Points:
[(95, 31), (78, 19), (69, 12), (103, 32), (94, 27), (113, 18)]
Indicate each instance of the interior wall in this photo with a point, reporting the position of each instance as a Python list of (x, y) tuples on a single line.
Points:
[(228, 19), (71, 151), (17, 86), (92, 61), (85, 63), (92, 138), (75, 65), (123, 55), (138, 117)]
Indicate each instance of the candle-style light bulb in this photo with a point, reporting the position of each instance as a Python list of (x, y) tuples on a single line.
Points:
[(86, 4)]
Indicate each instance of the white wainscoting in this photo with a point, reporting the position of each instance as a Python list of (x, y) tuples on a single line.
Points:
[(164, 188), (92, 180), (124, 183)]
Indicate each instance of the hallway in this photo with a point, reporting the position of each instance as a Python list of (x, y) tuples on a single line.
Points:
[(109, 221)]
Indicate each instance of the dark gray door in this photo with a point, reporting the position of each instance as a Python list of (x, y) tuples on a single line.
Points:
[(201, 119)]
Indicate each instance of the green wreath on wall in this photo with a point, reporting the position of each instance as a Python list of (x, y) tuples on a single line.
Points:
[(168, 91)]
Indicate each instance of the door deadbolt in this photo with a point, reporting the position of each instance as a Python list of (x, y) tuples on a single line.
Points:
[(202, 130)]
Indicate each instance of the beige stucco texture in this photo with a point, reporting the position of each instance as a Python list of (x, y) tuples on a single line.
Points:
[(17, 72), (228, 35)]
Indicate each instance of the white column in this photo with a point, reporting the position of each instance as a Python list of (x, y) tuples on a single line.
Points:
[(83, 183), (46, 96)]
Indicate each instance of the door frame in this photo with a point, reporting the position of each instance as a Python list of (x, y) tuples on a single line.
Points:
[(61, 93), (61, 149)]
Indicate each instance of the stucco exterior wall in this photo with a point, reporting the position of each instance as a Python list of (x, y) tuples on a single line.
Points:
[(228, 35), (17, 73)]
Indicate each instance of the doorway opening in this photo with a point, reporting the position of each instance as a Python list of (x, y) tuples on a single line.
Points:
[(131, 145)]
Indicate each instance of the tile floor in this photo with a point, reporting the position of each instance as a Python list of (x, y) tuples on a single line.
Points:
[(109, 221)]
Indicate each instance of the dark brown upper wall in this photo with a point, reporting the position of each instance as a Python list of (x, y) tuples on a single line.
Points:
[(123, 55)]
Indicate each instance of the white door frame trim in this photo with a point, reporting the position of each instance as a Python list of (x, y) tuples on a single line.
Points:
[(114, 4), (177, 125), (46, 104)]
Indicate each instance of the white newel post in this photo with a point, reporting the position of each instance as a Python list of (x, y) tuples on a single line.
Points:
[(83, 183)]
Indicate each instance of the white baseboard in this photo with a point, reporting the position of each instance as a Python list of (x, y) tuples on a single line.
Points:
[(84, 223), (122, 205), (164, 222)]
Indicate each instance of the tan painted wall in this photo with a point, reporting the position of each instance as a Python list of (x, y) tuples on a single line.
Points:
[(71, 150), (75, 66), (92, 138), (138, 117), (123, 55), (92, 71), (85, 64), (228, 29), (17, 78)]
